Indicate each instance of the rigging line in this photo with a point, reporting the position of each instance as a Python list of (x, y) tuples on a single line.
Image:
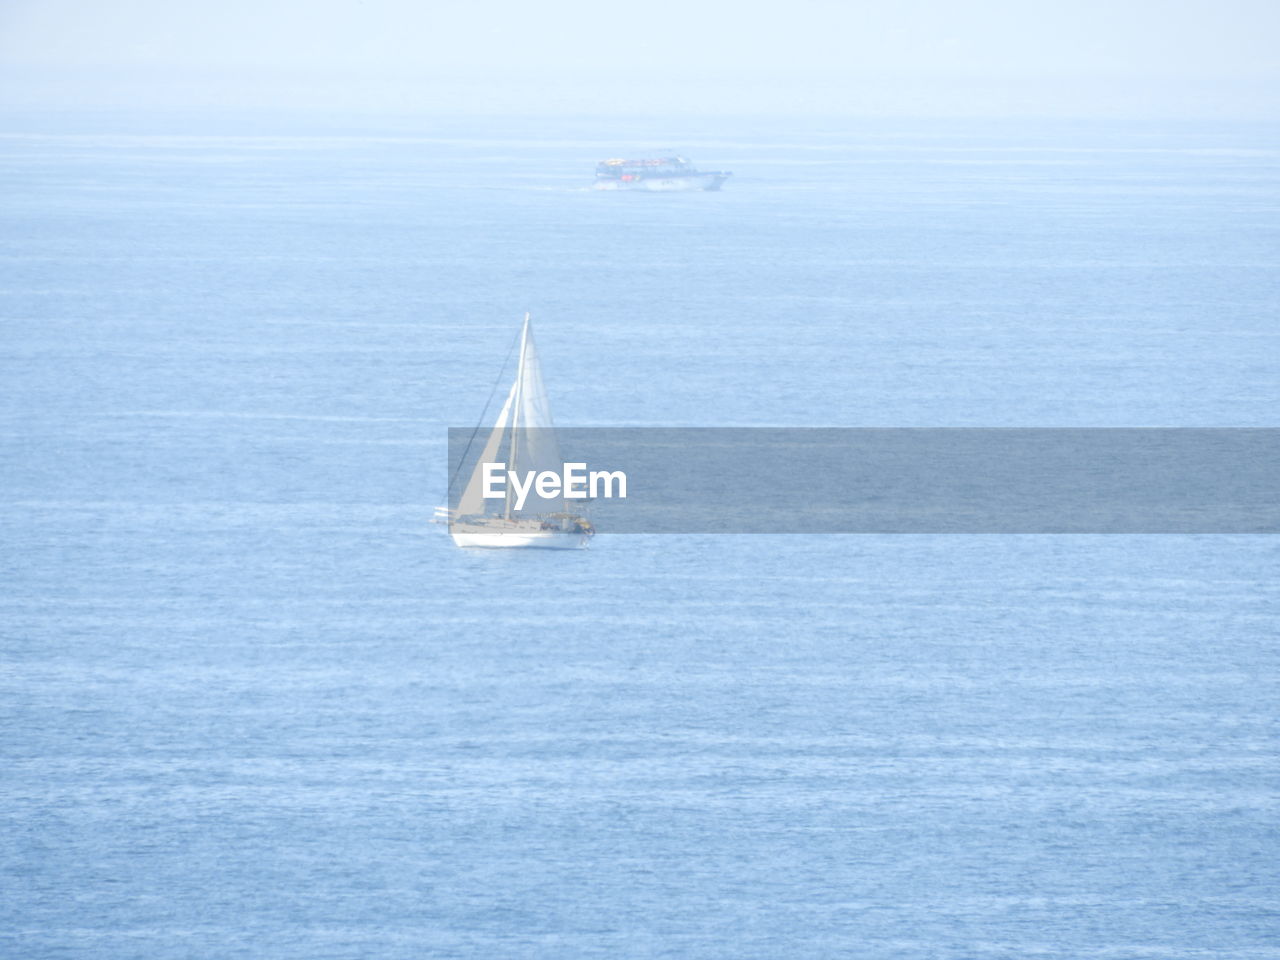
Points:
[(479, 423)]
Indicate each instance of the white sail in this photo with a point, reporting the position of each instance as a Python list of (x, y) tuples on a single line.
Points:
[(523, 438), (472, 501), (532, 429)]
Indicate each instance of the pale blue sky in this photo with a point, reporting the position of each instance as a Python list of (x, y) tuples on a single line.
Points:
[(915, 57)]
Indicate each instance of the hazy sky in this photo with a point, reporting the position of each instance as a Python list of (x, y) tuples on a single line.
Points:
[(919, 56)]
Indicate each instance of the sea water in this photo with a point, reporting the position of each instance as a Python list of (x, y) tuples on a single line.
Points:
[(255, 705)]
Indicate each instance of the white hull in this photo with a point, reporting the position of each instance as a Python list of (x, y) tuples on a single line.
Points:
[(537, 539), (701, 181)]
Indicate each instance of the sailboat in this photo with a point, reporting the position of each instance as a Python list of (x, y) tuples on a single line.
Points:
[(523, 439)]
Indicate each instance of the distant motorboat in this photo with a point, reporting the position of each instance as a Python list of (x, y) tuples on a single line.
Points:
[(523, 438), (661, 174)]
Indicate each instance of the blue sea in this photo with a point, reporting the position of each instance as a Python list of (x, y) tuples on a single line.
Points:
[(254, 705)]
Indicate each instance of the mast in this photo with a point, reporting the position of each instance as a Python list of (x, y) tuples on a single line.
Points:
[(519, 403)]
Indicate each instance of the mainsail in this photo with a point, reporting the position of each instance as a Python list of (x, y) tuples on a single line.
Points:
[(523, 438)]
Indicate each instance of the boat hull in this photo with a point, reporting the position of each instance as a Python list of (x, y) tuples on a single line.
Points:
[(525, 539), (695, 181)]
